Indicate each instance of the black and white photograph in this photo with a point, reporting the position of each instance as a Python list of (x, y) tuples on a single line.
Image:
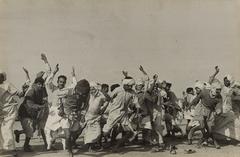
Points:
[(111, 78)]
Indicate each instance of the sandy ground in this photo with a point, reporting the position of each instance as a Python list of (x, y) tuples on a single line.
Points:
[(132, 150)]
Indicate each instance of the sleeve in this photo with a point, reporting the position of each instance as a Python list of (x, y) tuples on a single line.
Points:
[(49, 82), (114, 93), (47, 71), (74, 83), (196, 100), (211, 79), (30, 104), (12, 89)]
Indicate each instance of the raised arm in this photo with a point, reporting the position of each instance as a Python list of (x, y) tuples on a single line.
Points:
[(74, 79), (145, 77), (211, 78), (125, 73), (49, 80), (27, 75), (150, 87), (196, 100), (48, 69)]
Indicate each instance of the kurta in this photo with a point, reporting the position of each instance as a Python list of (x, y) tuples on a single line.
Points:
[(93, 117), (8, 113), (118, 112)]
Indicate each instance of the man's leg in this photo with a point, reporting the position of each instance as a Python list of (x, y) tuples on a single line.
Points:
[(8, 142), (210, 134), (192, 130), (187, 127), (67, 135), (115, 132), (123, 140), (44, 137), (168, 127), (159, 131), (48, 138), (29, 127), (17, 134)]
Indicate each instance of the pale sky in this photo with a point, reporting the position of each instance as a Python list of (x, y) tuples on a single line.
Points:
[(180, 40)]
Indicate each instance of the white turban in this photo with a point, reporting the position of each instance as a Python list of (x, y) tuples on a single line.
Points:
[(129, 82), (199, 85), (207, 85), (157, 82), (139, 82), (236, 84), (163, 93), (94, 85), (216, 85)]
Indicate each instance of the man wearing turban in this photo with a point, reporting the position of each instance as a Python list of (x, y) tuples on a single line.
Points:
[(122, 97)]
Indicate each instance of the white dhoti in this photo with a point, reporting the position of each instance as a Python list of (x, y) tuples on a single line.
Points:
[(55, 123), (7, 140), (92, 130)]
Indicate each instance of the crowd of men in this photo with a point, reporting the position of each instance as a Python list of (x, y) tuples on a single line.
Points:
[(145, 106)]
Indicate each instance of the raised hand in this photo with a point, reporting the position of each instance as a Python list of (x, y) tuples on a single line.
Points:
[(73, 71), (25, 70), (217, 69), (155, 77), (142, 70), (125, 73), (56, 69), (44, 57)]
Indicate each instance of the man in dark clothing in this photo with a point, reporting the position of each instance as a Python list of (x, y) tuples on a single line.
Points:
[(74, 108), (30, 109), (210, 99)]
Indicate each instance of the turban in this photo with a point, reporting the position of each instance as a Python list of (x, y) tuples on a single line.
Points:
[(95, 85), (128, 81), (163, 93), (216, 85), (207, 85), (236, 84), (139, 82), (199, 85), (157, 82), (40, 74), (83, 86)]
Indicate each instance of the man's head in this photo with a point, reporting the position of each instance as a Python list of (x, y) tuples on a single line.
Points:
[(39, 83), (226, 82), (215, 89), (94, 88), (82, 88), (199, 87), (190, 90), (139, 85), (168, 86), (128, 83), (61, 81), (3, 77), (163, 84), (105, 88)]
